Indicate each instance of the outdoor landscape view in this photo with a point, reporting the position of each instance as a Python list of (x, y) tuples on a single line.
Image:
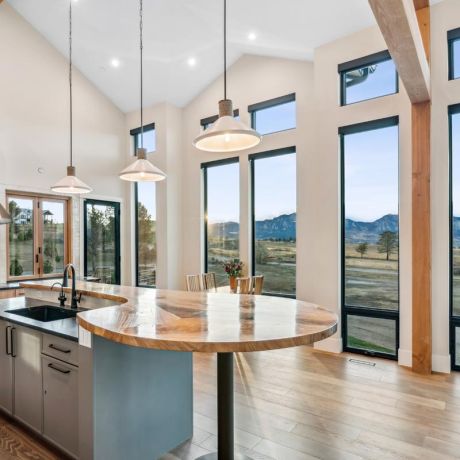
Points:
[(21, 236), (371, 228)]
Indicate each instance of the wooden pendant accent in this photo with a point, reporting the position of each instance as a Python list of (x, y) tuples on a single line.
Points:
[(421, 239)]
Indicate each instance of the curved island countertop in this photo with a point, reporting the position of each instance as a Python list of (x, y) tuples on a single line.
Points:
[(201, 321)]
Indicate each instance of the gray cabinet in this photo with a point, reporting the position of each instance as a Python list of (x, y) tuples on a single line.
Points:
[(26, 350), (6, 368), (60, 403)]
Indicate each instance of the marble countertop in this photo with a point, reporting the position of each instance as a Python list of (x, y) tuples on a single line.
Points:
[(201, 321), (66, 328)]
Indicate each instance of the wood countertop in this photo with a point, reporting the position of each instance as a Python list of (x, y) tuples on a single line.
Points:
[(200, 321)]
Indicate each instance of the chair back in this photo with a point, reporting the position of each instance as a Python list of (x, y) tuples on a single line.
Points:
[(209, 281), (257, 284), (244, 285), (193, 283)]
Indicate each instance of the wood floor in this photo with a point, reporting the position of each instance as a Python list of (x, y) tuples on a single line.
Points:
[(300, 404)]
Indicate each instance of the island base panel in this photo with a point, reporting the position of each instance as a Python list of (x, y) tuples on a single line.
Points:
[(142, 400)]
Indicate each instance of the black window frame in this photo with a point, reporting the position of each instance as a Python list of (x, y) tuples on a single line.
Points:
[(116, 206), (371, 59), (354, 310), (252, 158), (204, 171), (205, 122), (135, 132), (452, 36), (269, 103), (454, 321)]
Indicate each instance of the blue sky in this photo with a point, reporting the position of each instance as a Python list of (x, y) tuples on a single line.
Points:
[(371, 163)]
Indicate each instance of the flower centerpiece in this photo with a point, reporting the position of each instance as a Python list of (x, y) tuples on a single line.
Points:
[(233, 268)]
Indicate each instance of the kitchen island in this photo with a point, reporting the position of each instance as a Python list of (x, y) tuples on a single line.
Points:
[(136, 379)]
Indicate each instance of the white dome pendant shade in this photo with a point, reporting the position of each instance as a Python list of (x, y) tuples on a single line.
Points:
[(71, 184), (5, 217), (227, 134), (142, 170)]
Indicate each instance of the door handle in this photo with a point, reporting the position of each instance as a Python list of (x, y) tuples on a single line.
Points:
[(13, 352), (7, 340), (62, 371), (54, 347)]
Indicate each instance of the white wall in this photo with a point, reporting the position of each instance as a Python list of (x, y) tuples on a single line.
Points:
[(34, 125)]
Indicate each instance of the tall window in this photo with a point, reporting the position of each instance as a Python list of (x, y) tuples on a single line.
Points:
[(145, 219), (453, 37), (37, 236), (102, 240), (370, 237), (454, 118), (274, 208), (274, 115), (222, 215), (367, 78)]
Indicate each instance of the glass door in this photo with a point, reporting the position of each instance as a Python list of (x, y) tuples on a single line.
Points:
[(102, 240)]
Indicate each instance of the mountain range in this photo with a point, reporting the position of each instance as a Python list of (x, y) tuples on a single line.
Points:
[(284, 228)]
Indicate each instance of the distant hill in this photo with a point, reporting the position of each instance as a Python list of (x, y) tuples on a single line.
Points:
[(284, 228), (359, 232)]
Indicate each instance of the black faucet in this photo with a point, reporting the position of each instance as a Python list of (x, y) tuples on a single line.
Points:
[(62, 298), (65, 283)]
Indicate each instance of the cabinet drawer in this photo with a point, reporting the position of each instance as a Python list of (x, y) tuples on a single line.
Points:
[(60, 348), (60, 404)]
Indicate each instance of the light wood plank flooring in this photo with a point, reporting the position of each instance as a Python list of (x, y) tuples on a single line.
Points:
[(301, 404)]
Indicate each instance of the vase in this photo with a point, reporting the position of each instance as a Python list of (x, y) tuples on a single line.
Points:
[(233, 283)]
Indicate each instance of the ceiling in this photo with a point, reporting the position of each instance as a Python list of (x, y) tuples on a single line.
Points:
[(176, 30)]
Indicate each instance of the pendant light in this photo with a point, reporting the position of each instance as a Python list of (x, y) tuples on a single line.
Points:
[(5, 217), (71, 183), (142, 170), (227, 134)]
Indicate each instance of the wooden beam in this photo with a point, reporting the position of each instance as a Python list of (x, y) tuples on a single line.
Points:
[(399, 25), (421, 239), (418, 4)]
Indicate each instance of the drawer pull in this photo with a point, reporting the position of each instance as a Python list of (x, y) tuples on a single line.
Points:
[(62, 371), (62, 350), (7, 337)]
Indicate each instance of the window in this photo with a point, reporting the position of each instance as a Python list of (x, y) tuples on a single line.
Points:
[(102, 240), (370, 237), (454, 128), (454, 53), (222, 215), (367, 78), (273, 177), (38, 236), (207, 122), (145, 218), (275, 115)]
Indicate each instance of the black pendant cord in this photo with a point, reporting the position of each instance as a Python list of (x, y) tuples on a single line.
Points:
[(142, 79), (225, 49), (70, 82)]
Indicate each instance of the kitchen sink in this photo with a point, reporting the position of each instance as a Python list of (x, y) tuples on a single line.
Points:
[(45, 313)]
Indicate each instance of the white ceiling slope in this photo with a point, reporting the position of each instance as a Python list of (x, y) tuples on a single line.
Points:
[(175, 30)]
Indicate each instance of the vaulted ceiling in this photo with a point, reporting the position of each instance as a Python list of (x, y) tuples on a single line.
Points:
[(176, 31)]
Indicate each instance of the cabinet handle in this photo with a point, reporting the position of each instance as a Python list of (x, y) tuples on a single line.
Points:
[(7, 340), (13, 352), (54, 347), (62, 371)]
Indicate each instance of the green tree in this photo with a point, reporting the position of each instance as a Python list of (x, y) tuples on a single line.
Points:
[(387, 243), (262, 254), (146, 237), (15, 268), (362, 249), (95, 236)]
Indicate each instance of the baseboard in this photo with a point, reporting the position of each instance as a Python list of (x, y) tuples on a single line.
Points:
[(441, 363), (405, 357), (331, 344)]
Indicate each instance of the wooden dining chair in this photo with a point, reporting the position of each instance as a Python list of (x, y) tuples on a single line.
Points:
[(257, 284), (244, 285), (209, 281), (193, 283)]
